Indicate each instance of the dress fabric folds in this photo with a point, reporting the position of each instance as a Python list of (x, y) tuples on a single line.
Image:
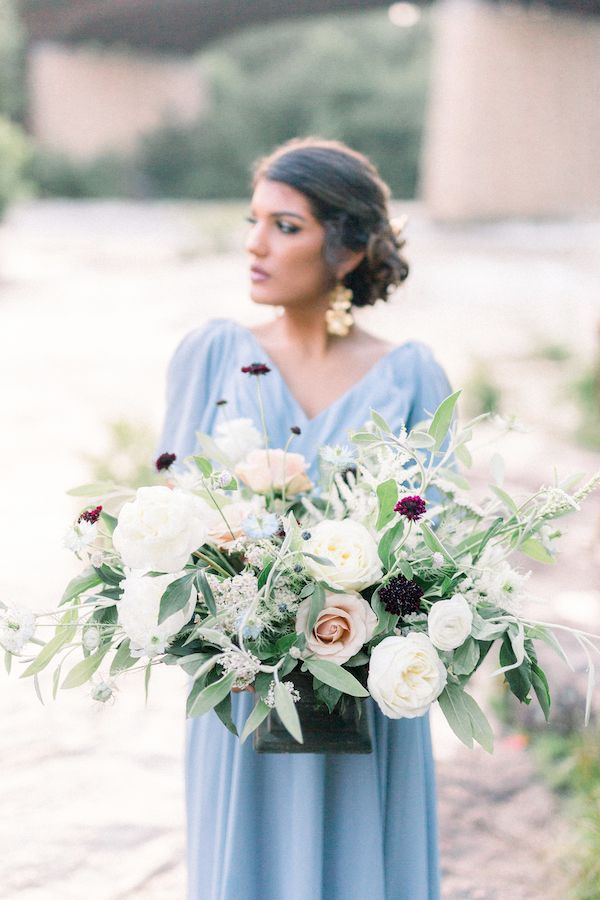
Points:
[(304, 826)]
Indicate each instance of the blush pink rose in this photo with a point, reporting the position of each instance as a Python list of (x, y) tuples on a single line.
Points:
[(262, 470), (345, 623)]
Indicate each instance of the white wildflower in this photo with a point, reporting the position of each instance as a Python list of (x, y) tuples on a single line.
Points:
[(587, 488), (437, 560), (233, 597), (557, 501), (289, 685), (91, 638), (17, 627), (103, 690), (80, 535), (245, 665), (338, 456), (503, 586)]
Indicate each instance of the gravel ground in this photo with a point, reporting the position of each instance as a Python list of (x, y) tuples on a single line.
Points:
[(93, 299)]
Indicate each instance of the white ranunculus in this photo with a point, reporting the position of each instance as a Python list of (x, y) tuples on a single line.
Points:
[(236, 438), (405, 675), (138, 612), (351, 549), (158, 530), (449, 622), (17, 626)]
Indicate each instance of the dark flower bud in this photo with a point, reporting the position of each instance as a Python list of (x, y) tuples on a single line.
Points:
[(164, 461), (256, 369), (90, 515)]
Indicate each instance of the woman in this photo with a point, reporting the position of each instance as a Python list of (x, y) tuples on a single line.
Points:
[(310, 826)]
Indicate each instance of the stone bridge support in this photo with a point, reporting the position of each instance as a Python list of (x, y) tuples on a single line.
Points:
[(514, 120)]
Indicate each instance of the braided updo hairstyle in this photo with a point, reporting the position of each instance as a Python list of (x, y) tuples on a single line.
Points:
[(350, 200)]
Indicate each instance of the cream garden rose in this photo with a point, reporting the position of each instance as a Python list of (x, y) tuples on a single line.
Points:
[(449, 622), (351, 550), (345, 623), (406, 675), (263, 470), (224, 529), (138, 611), (158, 530)]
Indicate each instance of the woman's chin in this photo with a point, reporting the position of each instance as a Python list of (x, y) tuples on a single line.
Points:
[(259, 295)]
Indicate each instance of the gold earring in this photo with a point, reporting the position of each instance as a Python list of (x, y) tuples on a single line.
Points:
[(338, 317)]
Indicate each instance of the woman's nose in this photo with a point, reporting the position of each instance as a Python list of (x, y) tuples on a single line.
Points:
[(256, 242)]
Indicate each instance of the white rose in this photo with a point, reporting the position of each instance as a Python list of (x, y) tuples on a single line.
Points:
[(159, 529), (17, 627), (351, 549), (236, 438), (449, 622), (405, 675), (345, 623), (138, 611)]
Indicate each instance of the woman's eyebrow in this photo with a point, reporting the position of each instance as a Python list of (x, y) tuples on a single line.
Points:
[(284, 212)]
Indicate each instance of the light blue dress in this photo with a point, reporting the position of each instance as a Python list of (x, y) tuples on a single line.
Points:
[(304, 826)]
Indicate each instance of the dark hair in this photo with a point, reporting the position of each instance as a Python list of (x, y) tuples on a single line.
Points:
[(350, 199)]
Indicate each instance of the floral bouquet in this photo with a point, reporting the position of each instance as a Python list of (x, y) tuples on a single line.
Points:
[(387, 579)]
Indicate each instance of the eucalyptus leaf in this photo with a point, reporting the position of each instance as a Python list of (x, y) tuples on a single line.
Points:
[(258, 714), (176, 596), (7, 661), (506, 498), (380, 421), (535, 550), (111, 522), (542, 691), (334, 675), (223, 710), (204, 465), (85, 668), (123, 659), (481, 729), (453, 707), (387, 496), (317, 602), (465, 657), (211, 695), (65, 632), (147, 674), (286, 710), (364, 437), (38, 690), (321, 560), (85, 581), (388, 542), (94, 489), (204, 588), (386, 621), (442, 418), (433, 542), (420, 440)]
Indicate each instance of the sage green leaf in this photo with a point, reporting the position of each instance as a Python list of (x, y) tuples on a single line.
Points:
[(38, 690), (542, 633), (420, 440), (65, 632), (56, 680), (205, 589), (147, 674), (223, 710), (321, 560), (483, 630), (406, 569), (442, 418), (536, 550), (457, 716), (111, 522), (204, 465), (85, 668), (432, 541), (85, 581), (258, 714), (463, 455), (506, 498), (465, 657), (364, 437), (176, 596), (95, 489), (386, 621), (7, 661), (387, 495), (286, 710), (542, 691), (334, 675), (482, 731), (380, 421), (123, 658), (211, 695), (518, 675), (317, 602), (385, 548), (212, 450)]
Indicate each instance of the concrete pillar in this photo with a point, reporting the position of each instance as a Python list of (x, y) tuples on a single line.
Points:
[(85, 101), (513, 126)]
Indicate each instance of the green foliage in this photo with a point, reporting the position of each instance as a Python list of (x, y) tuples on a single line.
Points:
[(482, 393), (55, 174), (14, 154), (12, 62), (354, 77), (127, 460), (587, 395)]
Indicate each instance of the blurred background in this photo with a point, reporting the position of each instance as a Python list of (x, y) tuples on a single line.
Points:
[(127, 131)]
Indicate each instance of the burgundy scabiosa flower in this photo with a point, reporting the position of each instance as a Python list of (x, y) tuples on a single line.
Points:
[(295, 429), (165, 461), (400, 596), (256, 369), (411, 508), (90, 515)]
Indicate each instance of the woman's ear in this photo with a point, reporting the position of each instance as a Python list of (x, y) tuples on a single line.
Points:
[(351, 259)]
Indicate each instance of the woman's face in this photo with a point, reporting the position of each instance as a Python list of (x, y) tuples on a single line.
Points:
[(285, 244)]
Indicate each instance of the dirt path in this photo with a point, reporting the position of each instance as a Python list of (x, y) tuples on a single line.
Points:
[(93, 299)]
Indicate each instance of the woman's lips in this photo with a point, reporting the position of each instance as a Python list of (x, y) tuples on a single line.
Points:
[(257, 274)]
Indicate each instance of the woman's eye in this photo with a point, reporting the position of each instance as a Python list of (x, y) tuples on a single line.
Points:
[(287, 227), (250, 219)]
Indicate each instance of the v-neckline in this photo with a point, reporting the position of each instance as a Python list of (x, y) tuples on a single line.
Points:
[(266, 358)]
